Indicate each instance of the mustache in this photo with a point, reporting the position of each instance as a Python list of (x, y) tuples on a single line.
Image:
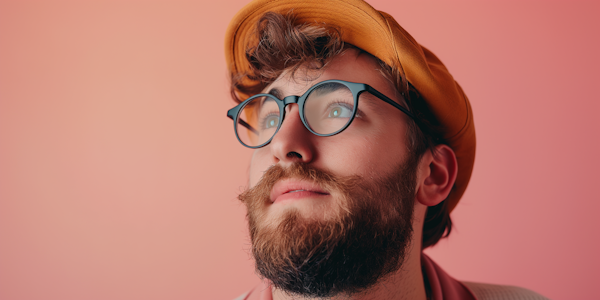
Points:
[(302, 171)]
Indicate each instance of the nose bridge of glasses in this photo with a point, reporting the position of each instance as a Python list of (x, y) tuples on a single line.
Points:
[(290, 99)]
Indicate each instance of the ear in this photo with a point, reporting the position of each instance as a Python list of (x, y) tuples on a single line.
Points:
[(436, 175)]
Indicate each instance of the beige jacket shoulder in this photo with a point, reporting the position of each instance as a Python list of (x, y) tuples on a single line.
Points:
[(243, 296), (484, 291)]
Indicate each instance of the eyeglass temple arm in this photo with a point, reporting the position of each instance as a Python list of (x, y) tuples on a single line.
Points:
[(390, 101), (245, 125)]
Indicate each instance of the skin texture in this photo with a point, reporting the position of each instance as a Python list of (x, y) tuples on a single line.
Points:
[(369, 147)]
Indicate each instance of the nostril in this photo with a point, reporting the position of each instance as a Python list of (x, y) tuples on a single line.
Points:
[(294, 154)]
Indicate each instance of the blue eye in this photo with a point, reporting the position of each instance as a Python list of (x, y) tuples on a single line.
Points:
[(339, 111), (271, 121)]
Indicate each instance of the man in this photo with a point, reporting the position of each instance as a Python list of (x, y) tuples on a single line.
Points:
[(363, 144)]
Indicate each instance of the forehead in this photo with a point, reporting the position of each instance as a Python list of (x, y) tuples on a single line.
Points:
[(351, 65)]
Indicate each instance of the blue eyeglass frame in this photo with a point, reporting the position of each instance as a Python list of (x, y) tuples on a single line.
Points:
[(355, 88)]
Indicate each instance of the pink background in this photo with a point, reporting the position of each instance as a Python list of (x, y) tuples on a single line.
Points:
[(119, 170)]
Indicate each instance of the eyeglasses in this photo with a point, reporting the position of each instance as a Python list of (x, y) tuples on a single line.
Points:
[(326, 109)]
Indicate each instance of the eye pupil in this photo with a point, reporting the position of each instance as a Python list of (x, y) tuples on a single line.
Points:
[(336, 112), (271, 121)]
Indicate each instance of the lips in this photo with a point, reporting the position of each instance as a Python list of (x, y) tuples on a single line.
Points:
[(290, 189)]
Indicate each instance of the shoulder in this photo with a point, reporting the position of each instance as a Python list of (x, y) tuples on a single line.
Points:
[(485, 291), (242, 297)]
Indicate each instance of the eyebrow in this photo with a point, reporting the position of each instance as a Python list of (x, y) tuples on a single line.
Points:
[(329, 88), (277, 93)]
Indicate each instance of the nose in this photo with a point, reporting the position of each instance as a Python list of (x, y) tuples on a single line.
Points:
[(293, 142)]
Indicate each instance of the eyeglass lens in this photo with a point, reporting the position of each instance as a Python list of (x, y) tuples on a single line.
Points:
[(327, 109)]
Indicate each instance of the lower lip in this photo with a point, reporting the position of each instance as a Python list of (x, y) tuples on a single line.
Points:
[(287, 197)]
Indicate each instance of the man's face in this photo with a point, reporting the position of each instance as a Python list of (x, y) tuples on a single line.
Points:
[(371, 147), (333, 215)]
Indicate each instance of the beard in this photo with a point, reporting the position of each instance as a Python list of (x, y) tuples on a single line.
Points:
[(366, 238)]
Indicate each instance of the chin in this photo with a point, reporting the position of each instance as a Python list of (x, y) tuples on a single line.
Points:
[(309, 209)]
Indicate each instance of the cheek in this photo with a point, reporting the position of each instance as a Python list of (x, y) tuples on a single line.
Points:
[(258, 165), (376, 152)]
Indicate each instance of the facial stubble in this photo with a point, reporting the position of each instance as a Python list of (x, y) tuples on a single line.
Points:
[(365, 240)]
